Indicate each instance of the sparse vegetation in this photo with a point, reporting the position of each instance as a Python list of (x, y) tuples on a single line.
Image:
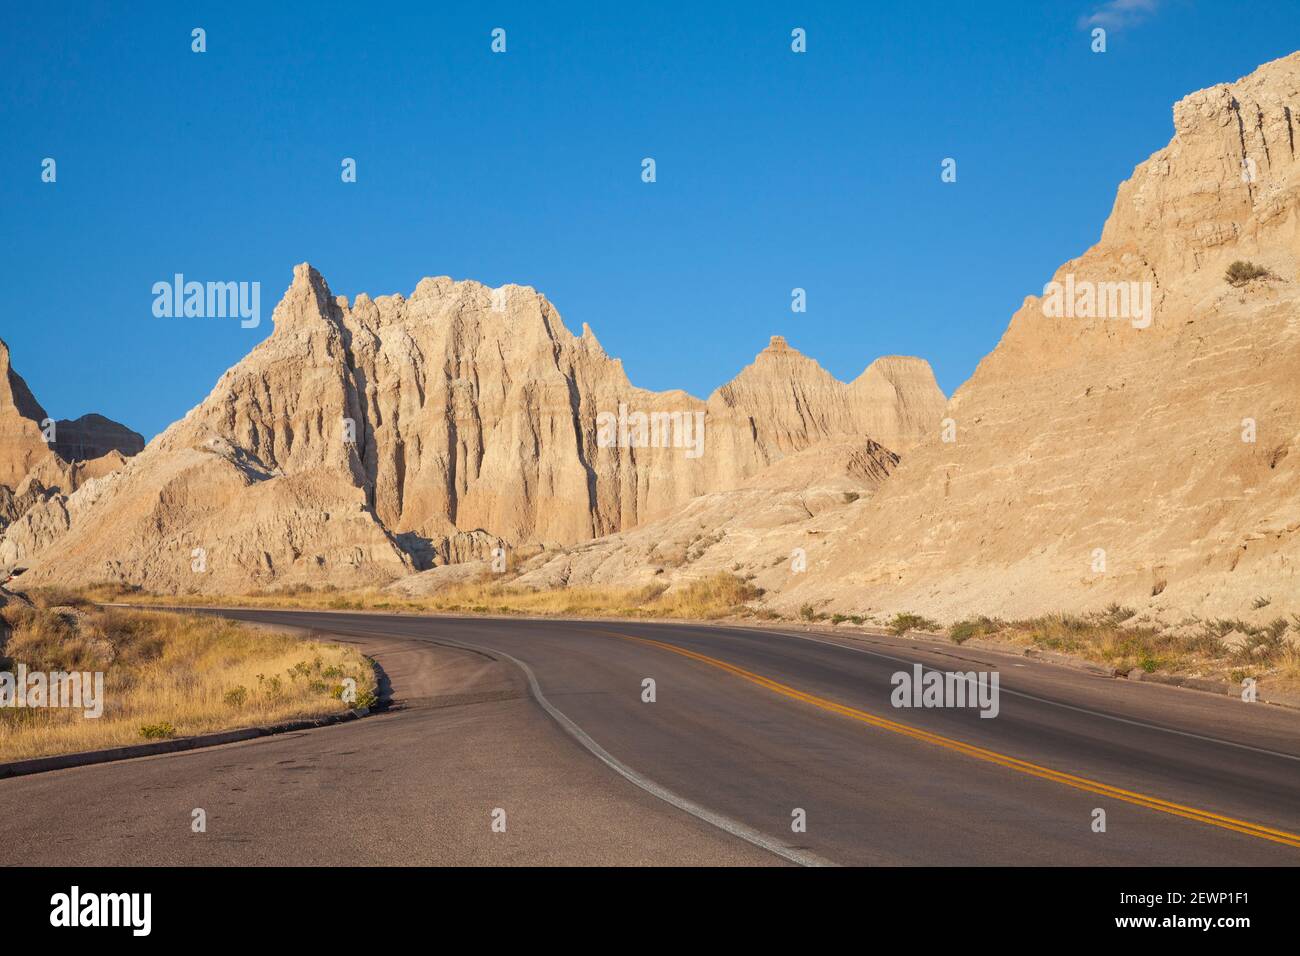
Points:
[(164, 675), (59, 597), (1113, 637), (902, 623), (1242, 272), (1116, 615), (236, 696), (963, 631), (718, 595), (159, 731)]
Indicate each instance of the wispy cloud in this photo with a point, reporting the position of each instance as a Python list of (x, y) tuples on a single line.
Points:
[(1114, 14)]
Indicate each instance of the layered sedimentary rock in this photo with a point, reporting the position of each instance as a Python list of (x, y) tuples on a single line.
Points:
[(759, 531), (33, 469), (1150, 458), (22, 444), (363, 441), (14, 504)]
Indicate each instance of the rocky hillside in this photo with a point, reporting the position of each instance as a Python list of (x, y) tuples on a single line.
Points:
[(31, 468), (365, 441), (760, 531), (1148, 458)]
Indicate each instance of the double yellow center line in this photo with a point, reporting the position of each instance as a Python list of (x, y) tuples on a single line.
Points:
[(980, 753)]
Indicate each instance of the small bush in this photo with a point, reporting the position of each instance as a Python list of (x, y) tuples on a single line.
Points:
[(1115, 614), (159, 731), (236, 696), (1241, 272), (963, 631), (902, 623), (366, 699)]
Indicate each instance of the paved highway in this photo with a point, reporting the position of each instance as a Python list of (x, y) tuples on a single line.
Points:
[(750, 730)]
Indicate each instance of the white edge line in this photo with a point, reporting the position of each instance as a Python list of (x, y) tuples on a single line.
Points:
[(723, 823)]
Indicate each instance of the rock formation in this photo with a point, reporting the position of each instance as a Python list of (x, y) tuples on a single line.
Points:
[(32, 469), (760, 531), (22, 444), (1133, 438), (1101, 459), (94, 436), (362, 442)]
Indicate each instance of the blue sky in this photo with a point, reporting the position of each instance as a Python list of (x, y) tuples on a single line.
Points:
[(775, 170)]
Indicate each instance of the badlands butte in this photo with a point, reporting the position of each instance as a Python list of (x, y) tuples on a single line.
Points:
[(394, 443)]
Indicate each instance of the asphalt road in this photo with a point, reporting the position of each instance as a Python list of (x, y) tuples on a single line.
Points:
[(748, 727)]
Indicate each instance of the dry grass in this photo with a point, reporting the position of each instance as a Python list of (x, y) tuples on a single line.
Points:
[(718, 596), (1286, 673), (1112, 637), (166, 675)]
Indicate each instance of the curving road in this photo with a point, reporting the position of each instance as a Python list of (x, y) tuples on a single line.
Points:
[(748, 727)]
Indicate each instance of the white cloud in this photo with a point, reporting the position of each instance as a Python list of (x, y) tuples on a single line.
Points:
[(1114, 14)]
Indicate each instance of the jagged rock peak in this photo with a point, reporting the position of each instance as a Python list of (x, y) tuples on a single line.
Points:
[(464, 408)]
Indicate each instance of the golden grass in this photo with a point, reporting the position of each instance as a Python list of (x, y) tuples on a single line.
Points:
[(1112, 637), (168, 675), (1286, 673), (710, 598)]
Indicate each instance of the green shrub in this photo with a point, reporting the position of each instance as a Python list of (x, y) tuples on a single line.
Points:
[(906, 621), (236, 696), (366, 699), (963, 631)]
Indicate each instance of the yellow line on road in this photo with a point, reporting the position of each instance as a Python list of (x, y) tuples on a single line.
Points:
[(980, 753)]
